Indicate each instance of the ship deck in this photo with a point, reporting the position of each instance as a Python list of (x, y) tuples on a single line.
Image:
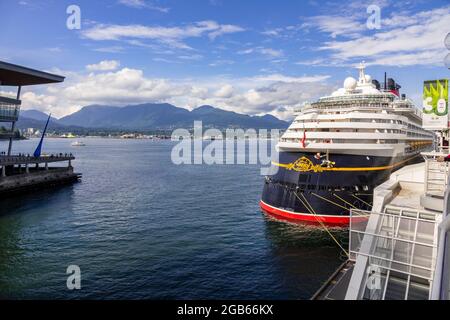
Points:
[(399, 238), (336, 286)]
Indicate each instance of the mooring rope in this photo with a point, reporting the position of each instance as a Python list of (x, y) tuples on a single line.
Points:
[(335, 203), (330, 201), (334, 194), (311, 210), (354, 196)]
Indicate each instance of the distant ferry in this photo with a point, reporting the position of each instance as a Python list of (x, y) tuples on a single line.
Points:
[(78, 144), (340, 148)]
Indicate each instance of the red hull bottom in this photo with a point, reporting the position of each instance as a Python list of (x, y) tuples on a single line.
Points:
[(305, 217)]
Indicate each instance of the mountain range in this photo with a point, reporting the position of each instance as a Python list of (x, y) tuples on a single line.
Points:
[(149, 116)]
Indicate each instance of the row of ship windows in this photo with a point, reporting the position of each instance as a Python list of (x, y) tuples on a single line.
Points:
[(395, 131), (361, 103), (334, 112), (303, 187), (393, 121), (418, 144), (347, 105), (382, 105)]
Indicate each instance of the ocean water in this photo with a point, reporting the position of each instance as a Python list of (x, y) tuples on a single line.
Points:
[(140, 227)]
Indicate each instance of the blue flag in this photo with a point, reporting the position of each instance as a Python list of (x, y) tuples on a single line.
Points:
[(37, 152)]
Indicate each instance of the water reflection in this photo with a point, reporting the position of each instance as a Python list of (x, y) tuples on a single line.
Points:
[(149, 229), (304, 254), (21, 202), (20, 240)]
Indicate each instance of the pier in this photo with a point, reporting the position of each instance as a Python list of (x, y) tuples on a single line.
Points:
[(401, 252), (20, 172)]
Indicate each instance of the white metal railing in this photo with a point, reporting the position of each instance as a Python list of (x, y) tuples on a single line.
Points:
[(400, 246), (436, 174), (444, 149), (441, 281)]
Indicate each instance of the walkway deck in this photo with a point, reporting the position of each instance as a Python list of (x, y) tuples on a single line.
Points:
[(25, 159)]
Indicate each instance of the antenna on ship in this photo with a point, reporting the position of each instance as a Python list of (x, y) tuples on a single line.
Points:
[(362, 75)]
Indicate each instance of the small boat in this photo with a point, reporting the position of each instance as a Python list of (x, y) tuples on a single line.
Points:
[(78, 144)]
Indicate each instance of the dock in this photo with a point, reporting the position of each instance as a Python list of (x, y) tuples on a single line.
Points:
[(20, 172), (402, 251)]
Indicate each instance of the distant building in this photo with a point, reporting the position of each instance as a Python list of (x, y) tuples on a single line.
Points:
[(19, 172)]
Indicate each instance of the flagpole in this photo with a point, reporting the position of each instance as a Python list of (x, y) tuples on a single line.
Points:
[(304, 136)]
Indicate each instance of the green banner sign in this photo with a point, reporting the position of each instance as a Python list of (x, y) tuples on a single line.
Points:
[(435, 104)]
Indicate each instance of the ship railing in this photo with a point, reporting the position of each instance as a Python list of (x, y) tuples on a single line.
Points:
[(9, 109), (395, 249), (444, 150), (441, 281), (436, 174), (384, 97)]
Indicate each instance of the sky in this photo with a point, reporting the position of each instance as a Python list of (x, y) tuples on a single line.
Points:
[(254, 56)]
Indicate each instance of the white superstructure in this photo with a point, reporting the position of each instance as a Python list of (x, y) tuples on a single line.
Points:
[(358, 119)]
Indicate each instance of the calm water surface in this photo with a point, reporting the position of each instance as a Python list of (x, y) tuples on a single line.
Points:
[(140, 227)]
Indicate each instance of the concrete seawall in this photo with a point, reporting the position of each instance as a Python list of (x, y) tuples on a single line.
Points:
[(37, 179)]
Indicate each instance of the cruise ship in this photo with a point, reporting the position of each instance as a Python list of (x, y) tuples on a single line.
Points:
[(339, 148)]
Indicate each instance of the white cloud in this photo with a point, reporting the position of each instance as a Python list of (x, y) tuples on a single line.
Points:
[(286, 79), (225, 29), (193, 57), (337, 19), (272, 52), (225, 91), (273, 32), (269, 52), (112, 49), (140, 4), (160, 59), (246, 51), (221, 62), (43, 102), (404, 39), (428, 57), (276, 94), (125, 85), (336, 25), (105, 65), (172, 36)]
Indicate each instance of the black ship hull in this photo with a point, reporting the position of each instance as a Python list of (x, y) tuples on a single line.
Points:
[(303, 187)]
